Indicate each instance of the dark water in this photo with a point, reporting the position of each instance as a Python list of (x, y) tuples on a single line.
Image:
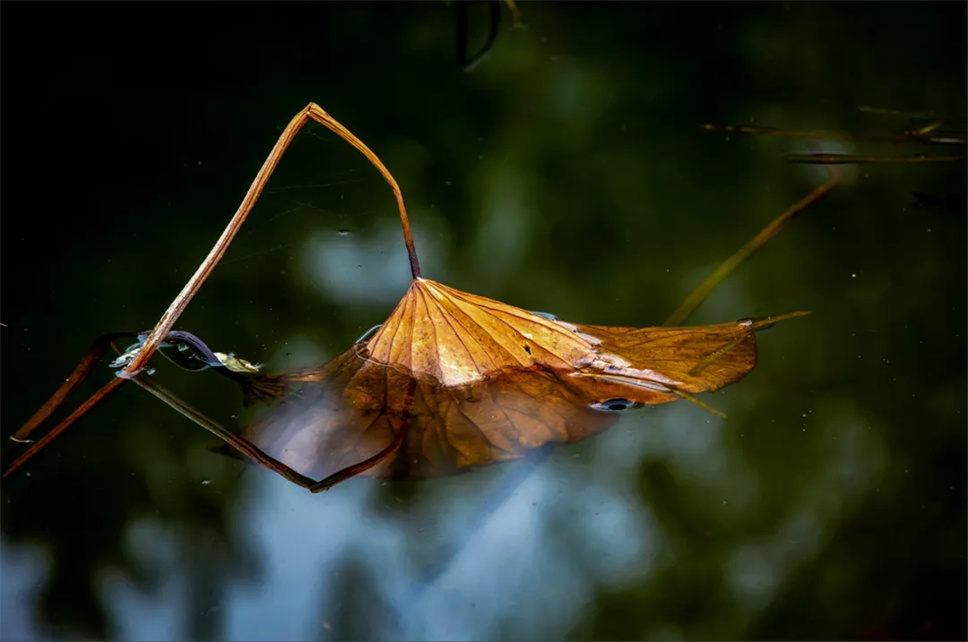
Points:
[(565, 173)]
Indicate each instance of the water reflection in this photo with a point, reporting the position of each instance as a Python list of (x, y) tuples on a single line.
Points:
[(566, 173), (546, 534), (457, 560)]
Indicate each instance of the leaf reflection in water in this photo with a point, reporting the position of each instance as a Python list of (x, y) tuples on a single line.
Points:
[(359, 414)]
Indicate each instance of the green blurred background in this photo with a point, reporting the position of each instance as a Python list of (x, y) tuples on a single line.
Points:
[(566, 172)]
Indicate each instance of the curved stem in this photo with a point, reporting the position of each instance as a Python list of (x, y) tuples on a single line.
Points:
[(697, 296), (311, 112), (316, 113)]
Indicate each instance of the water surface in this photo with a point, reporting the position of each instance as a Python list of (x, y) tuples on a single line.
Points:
[(567, 172)]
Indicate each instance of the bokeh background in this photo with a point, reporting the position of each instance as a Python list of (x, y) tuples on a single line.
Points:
[(565, 172)]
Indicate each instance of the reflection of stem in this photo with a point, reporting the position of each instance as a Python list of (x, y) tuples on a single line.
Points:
[(855, 159), (955, 138), (399, 433), (697, 296), (101, 345), (355, 469), (248, 449), (80, 373), (62, 426), (895, 112), (699, 402), (241, 445)]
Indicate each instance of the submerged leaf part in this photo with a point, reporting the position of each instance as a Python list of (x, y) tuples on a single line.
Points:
[(453, 380), (353, 408)]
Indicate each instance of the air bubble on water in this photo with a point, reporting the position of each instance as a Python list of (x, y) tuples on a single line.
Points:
[(546, 315), (615, 404), (343, 232), (206, 482), (369, 333)]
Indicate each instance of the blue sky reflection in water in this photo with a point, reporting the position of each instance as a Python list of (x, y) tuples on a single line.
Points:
[(535, 543), (567, 173)]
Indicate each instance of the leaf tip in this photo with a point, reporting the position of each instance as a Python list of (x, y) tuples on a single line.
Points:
[(756, 325)]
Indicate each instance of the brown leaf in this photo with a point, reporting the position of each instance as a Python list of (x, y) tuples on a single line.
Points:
[(460, 380), (354, 408), (456, 338)]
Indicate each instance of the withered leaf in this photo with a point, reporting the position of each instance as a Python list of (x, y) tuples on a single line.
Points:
[(454, 380)]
